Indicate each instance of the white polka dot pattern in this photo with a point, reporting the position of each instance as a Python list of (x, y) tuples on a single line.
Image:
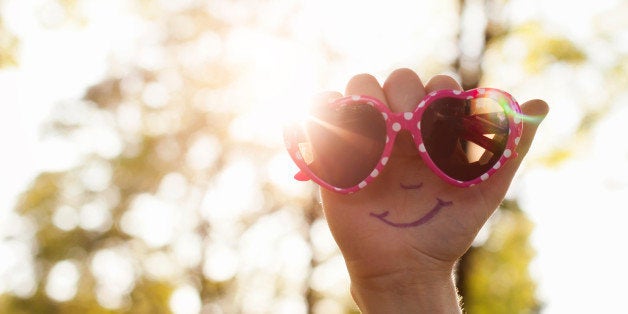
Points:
[(395, 122)]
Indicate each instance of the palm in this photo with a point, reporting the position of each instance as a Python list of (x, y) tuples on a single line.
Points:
[(428, 220), (409, 219)]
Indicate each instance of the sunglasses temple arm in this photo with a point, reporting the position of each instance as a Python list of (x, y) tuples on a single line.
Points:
[(301, 176)]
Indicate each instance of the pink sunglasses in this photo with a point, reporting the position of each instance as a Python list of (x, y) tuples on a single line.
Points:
[(462, 136)]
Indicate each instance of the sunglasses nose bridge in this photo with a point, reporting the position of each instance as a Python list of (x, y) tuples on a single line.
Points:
[(409, 122), (406, 121)]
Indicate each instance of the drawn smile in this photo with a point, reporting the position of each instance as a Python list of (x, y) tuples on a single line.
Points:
[(439, 205)]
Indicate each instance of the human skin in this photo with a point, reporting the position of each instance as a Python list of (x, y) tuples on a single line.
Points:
[(402, 234)]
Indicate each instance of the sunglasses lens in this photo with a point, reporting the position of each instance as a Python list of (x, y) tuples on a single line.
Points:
[(342, 145), (465, 137)]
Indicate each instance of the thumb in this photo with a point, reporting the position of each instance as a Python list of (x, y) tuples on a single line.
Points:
[(533, 112)]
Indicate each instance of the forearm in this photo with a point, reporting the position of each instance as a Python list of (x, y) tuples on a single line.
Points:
[(436, 294)]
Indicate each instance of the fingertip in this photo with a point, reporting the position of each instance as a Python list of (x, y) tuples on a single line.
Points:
[(365, 84), (362, 77), (535, 110), (406, 74), (403, 89), (442, 81)]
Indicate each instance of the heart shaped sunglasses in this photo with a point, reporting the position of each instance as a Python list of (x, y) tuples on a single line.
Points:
[(462, 136)]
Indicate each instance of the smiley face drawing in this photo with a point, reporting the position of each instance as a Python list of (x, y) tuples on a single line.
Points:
[(440, 204)]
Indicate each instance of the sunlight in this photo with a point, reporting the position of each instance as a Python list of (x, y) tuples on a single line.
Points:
[(150, 219), (160, 266), (185, 300), (233, 193), (221, 262), (95, 216), (66, 218), (292, 303), (188, 249), (281, 171), (276, 99), (17, 267), (115, 275), (273, 255), (331, 277), (173, 186), (283, 75), (96, 176), (323, 244), (62, 281), (328, 306), (223, 208), (203, 152)]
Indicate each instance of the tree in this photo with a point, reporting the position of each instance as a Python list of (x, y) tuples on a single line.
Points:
[(510, 289), (159, 138), (154, 141), (8, 47)]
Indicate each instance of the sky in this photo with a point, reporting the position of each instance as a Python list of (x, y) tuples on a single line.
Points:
[(577, 206)]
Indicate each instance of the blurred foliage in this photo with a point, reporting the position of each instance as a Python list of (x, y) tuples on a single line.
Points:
[(498, 276), (9, 45), (557, 156), (545, 48), (145, 139), (493, 277), (148, 297)]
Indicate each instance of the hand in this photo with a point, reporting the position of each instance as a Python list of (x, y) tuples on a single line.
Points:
[(402, 235)]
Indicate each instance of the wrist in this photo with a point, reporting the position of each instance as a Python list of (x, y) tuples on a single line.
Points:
[(427, 292)]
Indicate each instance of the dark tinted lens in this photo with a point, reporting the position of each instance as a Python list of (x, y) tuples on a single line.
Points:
[(465, 138), (343, 145)]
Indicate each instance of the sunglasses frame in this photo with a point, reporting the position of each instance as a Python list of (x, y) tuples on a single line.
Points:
[(411, 122)]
